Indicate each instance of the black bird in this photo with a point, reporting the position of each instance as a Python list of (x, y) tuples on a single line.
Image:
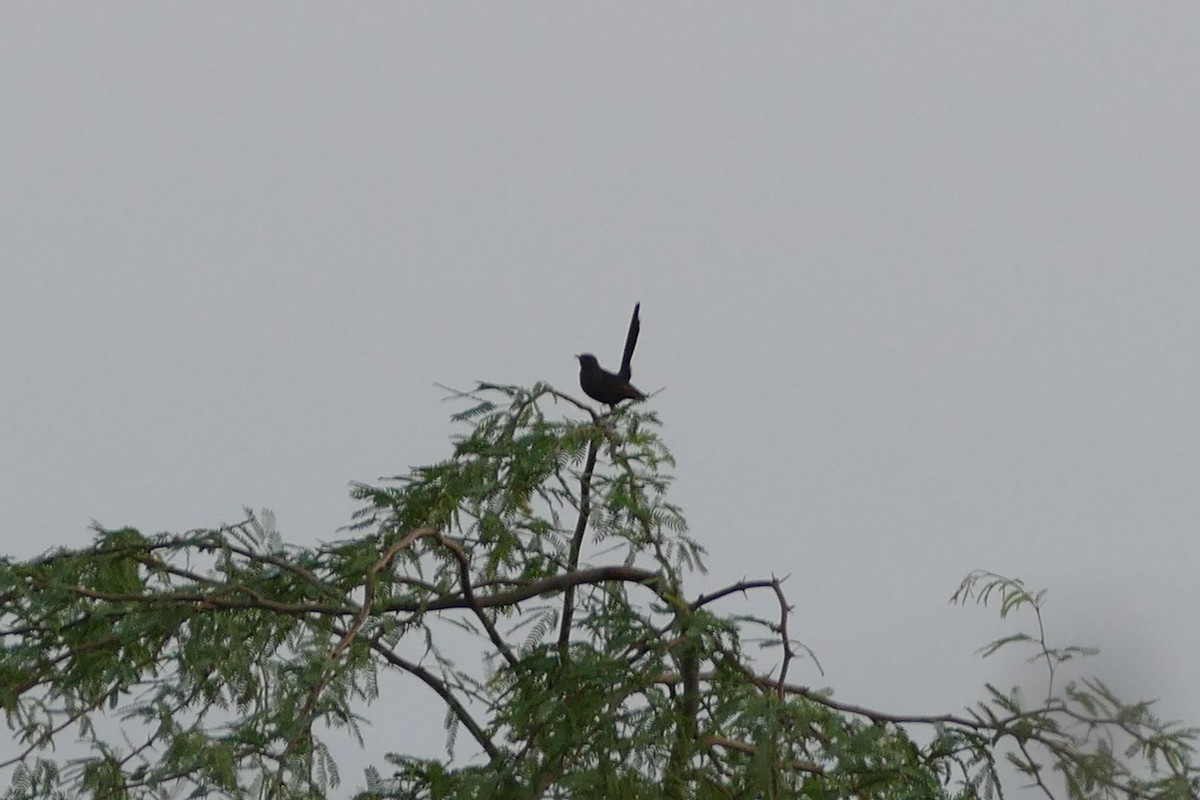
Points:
[(607, 387)]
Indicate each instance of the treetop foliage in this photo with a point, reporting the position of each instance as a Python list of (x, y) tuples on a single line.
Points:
[(212, 663)]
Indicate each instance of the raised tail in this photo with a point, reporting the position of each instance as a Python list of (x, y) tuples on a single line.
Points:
[(630, 342)]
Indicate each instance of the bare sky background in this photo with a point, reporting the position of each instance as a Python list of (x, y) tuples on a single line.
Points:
[(920, 282)]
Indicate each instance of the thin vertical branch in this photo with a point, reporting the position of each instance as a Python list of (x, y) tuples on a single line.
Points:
[(784, 639), (585, 511)]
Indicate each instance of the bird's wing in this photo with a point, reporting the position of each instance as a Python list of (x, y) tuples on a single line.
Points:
[(630, 343)]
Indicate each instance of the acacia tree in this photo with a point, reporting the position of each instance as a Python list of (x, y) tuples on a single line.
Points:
[(225, 654)]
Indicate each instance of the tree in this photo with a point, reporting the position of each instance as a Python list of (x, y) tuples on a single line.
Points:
[(226, 654)]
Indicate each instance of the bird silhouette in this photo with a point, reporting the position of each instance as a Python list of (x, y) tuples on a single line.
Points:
[(608, 387)]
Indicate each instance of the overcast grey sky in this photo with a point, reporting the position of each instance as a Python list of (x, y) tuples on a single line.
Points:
[(920, 282)]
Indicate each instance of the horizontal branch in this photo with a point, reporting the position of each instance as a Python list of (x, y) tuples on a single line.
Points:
[(223, 600), (554, 583), (741, 586), (214, 600)]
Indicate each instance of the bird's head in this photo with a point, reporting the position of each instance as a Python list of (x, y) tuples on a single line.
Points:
[(587, 360)]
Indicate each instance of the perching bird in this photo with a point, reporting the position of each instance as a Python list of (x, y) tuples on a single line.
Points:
[(604, 386)]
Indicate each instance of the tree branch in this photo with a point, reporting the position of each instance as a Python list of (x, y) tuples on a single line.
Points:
[(444, 692), (585, 510)]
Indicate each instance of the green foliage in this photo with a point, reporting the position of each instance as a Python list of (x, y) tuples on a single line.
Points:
[(226, 655)]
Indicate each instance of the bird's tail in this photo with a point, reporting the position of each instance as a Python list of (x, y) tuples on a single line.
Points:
[(630, 343)]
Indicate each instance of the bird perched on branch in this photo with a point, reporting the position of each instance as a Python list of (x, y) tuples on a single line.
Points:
[(608, 387)]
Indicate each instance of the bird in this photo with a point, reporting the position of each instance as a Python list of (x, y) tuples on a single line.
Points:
[(608, 387)]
